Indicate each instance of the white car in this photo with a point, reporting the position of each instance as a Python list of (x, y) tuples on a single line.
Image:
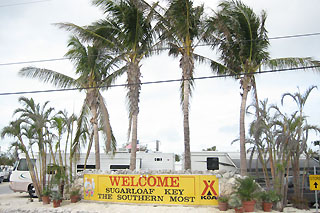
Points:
[(1, 175), (7, 173)]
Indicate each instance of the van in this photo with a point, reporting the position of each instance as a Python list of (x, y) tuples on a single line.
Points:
[(20, 179)]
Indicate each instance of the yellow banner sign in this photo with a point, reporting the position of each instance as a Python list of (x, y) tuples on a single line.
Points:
[(158, 189)]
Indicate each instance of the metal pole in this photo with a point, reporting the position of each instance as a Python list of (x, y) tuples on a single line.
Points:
[(316, 192)]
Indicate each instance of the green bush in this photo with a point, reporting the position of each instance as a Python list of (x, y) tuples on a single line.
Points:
[(56, 196), (223, 199), (46, 191), (247, 188), (269, 196), (234, 201), (75, 192)]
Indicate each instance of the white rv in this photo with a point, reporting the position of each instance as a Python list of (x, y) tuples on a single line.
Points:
[(213, 160), (230, 161), (20, 180)]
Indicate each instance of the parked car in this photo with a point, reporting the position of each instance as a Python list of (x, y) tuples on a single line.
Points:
[(7, 173), (1, 175), (308, 195)]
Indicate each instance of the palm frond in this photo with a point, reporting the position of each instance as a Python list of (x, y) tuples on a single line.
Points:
[(105, 124), (48, 76)]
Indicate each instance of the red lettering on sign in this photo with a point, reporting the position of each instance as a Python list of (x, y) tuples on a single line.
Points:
[(144, 181), (154, 181), (174, 181), (209, 186), (125, 181), (162, 181), (132, 181), (114, 180)]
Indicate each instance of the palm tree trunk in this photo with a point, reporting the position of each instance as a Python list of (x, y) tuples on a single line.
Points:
[(186, 129), (96, 137), (133, 95), (92, 101), (245, 83), (133, 155), (32, 171)]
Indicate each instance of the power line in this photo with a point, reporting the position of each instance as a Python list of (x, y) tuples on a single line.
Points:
[(30, 2), (295, 36), (35, 61), (157, 82), (164, 48)]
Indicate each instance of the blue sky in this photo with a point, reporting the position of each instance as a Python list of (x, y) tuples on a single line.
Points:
[(28, 34)]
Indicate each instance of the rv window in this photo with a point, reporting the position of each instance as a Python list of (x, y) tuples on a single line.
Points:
[(80, 167), (158, 159), (22, 166), (15, 165), (113, 167), (212, 163)]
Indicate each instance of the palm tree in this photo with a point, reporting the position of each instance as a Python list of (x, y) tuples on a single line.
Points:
[(300, 136), (68, 122), (39, 118), (36, 119), (14, 130), (127, 29), (93, 66), (241, 38), (181, 27)]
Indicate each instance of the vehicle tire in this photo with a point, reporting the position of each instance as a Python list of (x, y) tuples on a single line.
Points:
[(311, 204), (32, 191)]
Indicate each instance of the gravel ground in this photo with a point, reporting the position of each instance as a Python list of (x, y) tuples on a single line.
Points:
[(20, 202)]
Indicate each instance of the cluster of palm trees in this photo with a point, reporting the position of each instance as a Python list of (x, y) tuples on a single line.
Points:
[(38, 133), (279, 139), (133, 30)]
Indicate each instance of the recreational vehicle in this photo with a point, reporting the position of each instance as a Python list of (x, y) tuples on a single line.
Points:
[(20, 179), (230, 161)]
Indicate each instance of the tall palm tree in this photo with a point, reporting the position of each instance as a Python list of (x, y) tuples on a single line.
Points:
[(181, 27), (94, 70), (127, 29), (241, 38)]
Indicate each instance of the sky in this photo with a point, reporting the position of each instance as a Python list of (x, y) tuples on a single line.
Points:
[(28, 34)]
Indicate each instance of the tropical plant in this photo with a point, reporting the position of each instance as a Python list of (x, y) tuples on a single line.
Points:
[(33, 123), (75, 192), (300, 137), (234, 201), (181, 27), (94, 70), (56, 196), (241, 38), (46, 191), (14, 130), (269, 196), (128, 32), (277, 134), (223, 199), (247, 188)]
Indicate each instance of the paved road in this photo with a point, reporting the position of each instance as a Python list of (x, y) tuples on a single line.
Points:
[(4, 188)]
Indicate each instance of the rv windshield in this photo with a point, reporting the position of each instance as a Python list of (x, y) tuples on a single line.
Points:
[(22, 166)]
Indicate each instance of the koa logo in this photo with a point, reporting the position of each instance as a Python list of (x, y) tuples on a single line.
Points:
[(209, 193)]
